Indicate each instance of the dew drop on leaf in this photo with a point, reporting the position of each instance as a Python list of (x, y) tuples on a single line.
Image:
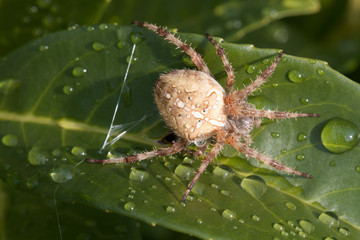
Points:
[(339, 135), (304, 101), (256, 218), (121, 44), (228, 214), (10, 140), (137, 38), (275, 134), (78, 151), (251, 69), (199, 221), (170, 209), (183, 171), (307, 226), (300, 157), (36, 156), (32, 183), (254, 185), (129, 206), (198, 188), (320, 71), (284, 233), (68, 90), (357, 169), (62, 174), (312, 61), (138, 175), (345, 232), (90, 28), (223, 171), (301, 137), (329, 238), (291, 223), (97, 46), (103, 26), (290, 206), (43, 48), (79, 71), (330, 219), (278, 227), (225, 193), (295, 76), (302, 234)]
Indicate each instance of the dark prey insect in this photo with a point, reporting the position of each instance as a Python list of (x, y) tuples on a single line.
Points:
[(198, 110)]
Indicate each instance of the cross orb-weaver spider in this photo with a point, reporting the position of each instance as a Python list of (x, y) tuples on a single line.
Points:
[(196, 108)]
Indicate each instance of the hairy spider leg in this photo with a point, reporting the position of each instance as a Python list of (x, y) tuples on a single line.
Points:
[(262, 78), (195, 57), (208, 159), (252, 153), (175, 148), (240, 111), (228, 68)]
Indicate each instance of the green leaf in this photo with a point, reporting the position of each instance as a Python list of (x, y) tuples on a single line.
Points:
[(61, 107)]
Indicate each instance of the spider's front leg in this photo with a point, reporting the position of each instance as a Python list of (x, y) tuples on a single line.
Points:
[(251, 153), (175, 148)]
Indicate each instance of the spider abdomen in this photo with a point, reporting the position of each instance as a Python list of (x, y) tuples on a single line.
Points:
[(191, 104)]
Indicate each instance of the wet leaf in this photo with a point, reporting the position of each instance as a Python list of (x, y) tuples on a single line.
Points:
[(62, 106)]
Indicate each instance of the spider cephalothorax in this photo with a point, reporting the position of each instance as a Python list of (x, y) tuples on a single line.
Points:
[(198, 110)]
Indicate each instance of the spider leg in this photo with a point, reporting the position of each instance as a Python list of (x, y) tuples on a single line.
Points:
[(238, 111), (242, 94), (208, 159), (249, 152), (175, 148), (228, 68), (195, 57)]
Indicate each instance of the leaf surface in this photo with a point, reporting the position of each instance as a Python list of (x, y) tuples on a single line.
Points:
[(57, 103)]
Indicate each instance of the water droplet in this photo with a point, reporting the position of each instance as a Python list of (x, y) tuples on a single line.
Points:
[(254, 185), (284, 233), (329, 238), (36, 156), (213, 185), (134, 59), (275, 134), (266, 61), (300, 157), (198, 188), (312, 61), (295, 76), (199, 221), (304, 100), (255, 218), (284, 59), (78, 151), (278, 227), (137, 38), (225, 193), (170, 209), (275, 85), (251, 69), (188, 160), (187, 61), (9, 85), (344, 231), (228, 214), (121, 44), (98, 46), (357, 169), (283, 151), (10, 140), (291, 223), (339, 135), (43, 48), (320, 71), (127, 95), (129, 206), (62, 174), (103, 26), (183, 171), (138, 175), (290, 206), (68, 90), (332, 163), (79, 71), (330, 219), (307, 226), (223, 171), (56, 152), (32, 182), (302, 234), (276, 238), (90, 28)]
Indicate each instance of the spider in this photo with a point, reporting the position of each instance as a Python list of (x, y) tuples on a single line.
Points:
[(198, 110)]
